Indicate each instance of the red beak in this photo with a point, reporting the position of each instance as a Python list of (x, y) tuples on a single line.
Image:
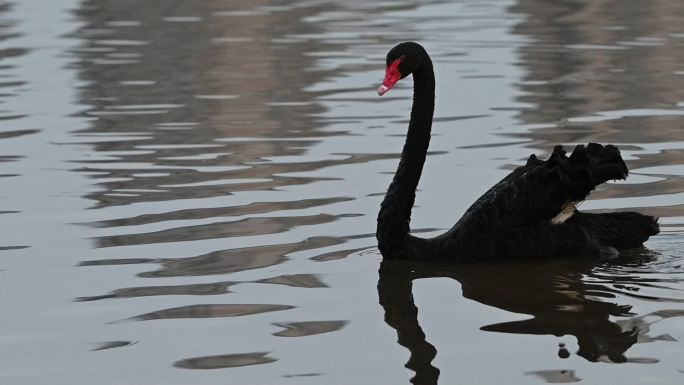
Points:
[(392, 76)]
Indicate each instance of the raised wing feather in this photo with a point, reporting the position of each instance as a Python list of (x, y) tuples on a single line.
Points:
[(538, 191)]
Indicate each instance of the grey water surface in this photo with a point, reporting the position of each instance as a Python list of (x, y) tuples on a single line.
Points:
[(189, 191)]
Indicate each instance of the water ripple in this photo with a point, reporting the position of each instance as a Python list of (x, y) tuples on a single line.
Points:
[(209, 311)]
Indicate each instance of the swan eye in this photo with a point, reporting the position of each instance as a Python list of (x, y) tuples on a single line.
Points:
[(402, 57)]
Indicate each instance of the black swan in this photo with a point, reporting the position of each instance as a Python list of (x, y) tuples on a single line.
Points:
[(531, 213)]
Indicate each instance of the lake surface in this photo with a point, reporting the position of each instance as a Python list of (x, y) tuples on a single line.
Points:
[(189, 192)]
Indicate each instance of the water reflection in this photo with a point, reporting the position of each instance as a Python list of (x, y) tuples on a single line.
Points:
[(241, 228), (210, 311), (588, 57), (239, 259), (563, 297), (231, 211), (8, 130), (212, 131), (309, 328), (224, 162), (112, 345), (202, 118), (224, 361), (211, 288)]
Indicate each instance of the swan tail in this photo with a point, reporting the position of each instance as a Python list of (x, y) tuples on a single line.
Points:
[(620, 230), (583, 235)]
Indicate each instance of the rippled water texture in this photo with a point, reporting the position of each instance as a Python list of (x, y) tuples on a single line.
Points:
[(189, 191)]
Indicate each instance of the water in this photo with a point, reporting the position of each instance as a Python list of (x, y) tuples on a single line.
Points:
[(189, 192)]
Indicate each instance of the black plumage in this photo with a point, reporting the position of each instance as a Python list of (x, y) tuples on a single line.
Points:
[(514, 218)]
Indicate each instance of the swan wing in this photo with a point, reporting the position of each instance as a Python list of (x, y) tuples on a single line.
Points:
[(542, 189)]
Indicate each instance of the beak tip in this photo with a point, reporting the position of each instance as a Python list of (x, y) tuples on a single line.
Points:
[(382, 90)]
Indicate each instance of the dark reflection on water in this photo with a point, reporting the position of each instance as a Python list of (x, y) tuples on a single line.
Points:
[(209, 311), (241, 228), (213, 288), (224, 361), (562, 296), (333, 255), (201, 213), (8, 84), (112, 345), (240, 259), (309, 328), (296, 280)]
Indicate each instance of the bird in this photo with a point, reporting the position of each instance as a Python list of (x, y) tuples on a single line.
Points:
[(530, 213)]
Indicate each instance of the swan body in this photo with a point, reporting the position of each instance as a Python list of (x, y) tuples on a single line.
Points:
[(531, 213)]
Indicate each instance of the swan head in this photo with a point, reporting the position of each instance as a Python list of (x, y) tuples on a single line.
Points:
[(402, 60)]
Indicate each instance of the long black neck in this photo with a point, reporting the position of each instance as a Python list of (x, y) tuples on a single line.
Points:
[(393, 228)]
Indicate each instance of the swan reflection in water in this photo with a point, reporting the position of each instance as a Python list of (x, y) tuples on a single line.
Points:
[(556, 293)]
